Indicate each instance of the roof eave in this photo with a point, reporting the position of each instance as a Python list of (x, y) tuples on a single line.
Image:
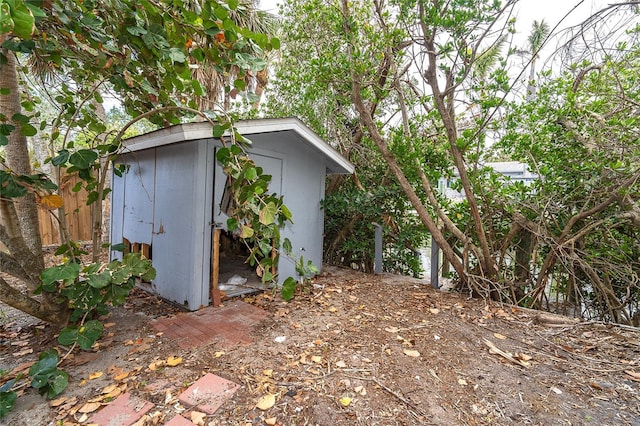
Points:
[(337, 164)]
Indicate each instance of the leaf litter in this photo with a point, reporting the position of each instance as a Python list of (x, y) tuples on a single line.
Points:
[(362, 349)]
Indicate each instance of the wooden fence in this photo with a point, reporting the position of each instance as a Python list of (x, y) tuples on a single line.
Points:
[(78, 215)]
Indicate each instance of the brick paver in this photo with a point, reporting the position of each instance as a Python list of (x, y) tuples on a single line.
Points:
[(178, 421), (124, 411), (208, 393), (227, 325)]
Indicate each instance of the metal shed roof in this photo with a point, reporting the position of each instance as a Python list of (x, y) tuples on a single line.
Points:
[(202, 130)]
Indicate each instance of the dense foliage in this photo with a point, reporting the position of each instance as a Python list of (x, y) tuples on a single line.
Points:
[(68, 55), (417, 93)]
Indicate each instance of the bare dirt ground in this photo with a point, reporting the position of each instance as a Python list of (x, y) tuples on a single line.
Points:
[(354, 349)]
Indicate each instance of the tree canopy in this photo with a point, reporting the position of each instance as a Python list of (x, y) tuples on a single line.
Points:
[(429, 89)]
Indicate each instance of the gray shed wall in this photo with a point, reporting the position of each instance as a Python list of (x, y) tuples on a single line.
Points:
[(167, 200)]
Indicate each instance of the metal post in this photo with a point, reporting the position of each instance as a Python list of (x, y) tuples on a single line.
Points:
[(435, 263), (377, 264)]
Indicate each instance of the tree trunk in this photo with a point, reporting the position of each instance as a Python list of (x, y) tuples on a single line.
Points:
[(17, 156), (522, 265), (20, 228)]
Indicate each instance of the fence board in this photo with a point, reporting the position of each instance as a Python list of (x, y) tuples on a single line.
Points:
[(78, 214)]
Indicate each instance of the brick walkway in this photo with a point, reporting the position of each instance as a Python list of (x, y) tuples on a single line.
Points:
[(227, 325)]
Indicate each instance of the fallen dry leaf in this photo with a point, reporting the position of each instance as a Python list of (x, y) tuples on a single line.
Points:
[(89, 407), (121, 376), (57, 402), (316, 358), (499, 336), (411, 353), (345, 401), (462, 382), (634, 376), (271, 421), (95, 375), (198, 418), (23, 352), (494, 350), (524, 357), (51, 201), (434, 310), (172, 361), (109, 388), (139, 348), (219, 354), (266, 402), (341, 364)]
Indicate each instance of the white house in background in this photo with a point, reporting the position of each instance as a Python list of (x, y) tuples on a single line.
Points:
[(514, 170), (169, 202)]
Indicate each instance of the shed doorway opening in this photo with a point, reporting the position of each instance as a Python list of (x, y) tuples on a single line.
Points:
[(236, 276)]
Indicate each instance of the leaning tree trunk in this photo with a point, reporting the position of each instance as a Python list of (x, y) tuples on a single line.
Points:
[(19, 228), (17, 156)]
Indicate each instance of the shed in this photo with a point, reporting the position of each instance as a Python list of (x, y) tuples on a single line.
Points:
[(168, 203)]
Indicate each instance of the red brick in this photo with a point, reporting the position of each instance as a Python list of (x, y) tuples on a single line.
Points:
[(124, 411), (230, 325), (208, 393), (179, 421)]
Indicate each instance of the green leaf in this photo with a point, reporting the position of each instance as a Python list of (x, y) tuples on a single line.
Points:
[(286, 245), (28, 105), (45, 375), (61, 158), (218, 131), (83, 158), (67, 272), (136, 31), (6, 24), (117, 294), (7, 399), (137, 264), (85, 336), (198, 90), (46, 365), (275, 43), (57, 383), (89, 333), (68, 335), (100, 280), (246, 232), (251, 173), (286, 212), (232, 224), (118, 247), (268, 214), (20, 118), (28, 130), (240, 84), (23, 20), (288, 288), (11, 188), (177, 55)]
